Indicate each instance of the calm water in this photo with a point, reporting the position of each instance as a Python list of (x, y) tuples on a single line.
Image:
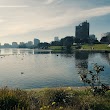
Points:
[(47, 70)]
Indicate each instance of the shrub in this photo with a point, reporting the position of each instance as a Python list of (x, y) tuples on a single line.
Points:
[(13, 99), (61, 97)]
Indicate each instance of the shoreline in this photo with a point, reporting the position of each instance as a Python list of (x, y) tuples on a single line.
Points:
[(82, 50), (58, 88)]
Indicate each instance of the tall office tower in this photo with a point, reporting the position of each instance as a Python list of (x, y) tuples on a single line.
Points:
[(82, 31), (36, 42)]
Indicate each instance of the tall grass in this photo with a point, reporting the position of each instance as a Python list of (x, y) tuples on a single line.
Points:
[(53, 99), (11, 99)]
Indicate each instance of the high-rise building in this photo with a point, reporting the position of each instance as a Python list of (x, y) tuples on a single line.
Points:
[(36, 42), (56, 39), (82, 31)]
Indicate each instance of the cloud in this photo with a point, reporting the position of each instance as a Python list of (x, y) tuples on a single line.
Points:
[(14, 6), (49, 1), (96, 12), (42, 17), (52, 1)]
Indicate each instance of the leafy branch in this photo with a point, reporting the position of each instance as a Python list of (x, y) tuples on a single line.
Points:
[(92, 78)]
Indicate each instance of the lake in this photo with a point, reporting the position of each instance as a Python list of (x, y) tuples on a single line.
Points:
[(26, 68)]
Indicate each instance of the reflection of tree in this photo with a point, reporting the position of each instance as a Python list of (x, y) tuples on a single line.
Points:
[(7, 51), (30, 51), (40, 51), (67, 55), (81, 60), (22, 51), (15, 51), (81, 55), (106, 56)]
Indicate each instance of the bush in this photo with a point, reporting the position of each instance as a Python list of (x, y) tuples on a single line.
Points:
[(13, 99), (61, 97)]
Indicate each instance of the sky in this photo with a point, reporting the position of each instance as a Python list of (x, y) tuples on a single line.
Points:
[(24, 20)]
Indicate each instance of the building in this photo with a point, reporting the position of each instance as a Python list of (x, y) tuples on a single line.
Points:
[(82, 31), (14, 45), (36, 42), (56, 39)]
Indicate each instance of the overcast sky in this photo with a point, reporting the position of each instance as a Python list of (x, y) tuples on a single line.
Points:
[(24, 20)]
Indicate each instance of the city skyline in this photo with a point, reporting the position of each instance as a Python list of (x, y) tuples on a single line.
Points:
[(24, 20)]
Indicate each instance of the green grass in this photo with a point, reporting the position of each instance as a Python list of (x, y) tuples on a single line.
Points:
[(96, 47), (99, 47), (53, 99), (55, 47)]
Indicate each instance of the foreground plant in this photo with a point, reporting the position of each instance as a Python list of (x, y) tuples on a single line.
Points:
[(92, 78), (13, 99)]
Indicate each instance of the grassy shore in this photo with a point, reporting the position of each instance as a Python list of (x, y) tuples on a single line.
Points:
[(53, 99), (86, 47), (96, 47)]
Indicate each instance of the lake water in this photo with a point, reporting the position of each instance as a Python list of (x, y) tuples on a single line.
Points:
[(47, 70)]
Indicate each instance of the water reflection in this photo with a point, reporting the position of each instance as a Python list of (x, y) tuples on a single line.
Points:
[(106, 56), (81, 60), (67, 55), (47, 70), (36, 51), (30, 52), (14, 51)]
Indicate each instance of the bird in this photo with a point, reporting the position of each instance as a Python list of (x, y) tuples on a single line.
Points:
[(22, 73)]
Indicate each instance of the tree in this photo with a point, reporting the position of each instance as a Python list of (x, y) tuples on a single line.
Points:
[(104, 39)]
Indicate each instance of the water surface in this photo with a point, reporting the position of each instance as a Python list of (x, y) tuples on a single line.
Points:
[(47, 70)]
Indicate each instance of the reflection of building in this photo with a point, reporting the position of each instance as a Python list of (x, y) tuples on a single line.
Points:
[(36, 42), (56, 39), (81, 60), (82, 31), (14, 45), (106, 56)]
